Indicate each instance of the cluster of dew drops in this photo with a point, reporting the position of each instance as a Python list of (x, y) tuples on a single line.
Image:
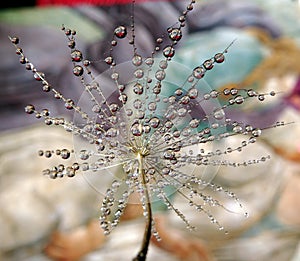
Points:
[(144, 122)]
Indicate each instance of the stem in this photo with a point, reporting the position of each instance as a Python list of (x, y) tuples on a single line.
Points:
[(141, 256)]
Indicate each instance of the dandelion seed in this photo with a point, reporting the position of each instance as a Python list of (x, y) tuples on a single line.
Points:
[(153, 130)]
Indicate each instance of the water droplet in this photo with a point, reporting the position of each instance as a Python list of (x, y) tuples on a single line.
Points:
[(160, 75), (137, 104), (139, 73), (193, 93), (152, 106), (45, 112), (256, 132), (71, 44), (261, 97), (136, 129), (86, 63), (39, 76), (199, 72), (178, 91), (154, 122), (84, 155), (65, 154), (19, 51), (96, 108), (208, 64), (109, 60), (251, 93), (226, 91), (234, 91), (237, 129), (113, 107), (137, 60), (14, 40), (77, 70), (69, 104), (76, 56), (29, 109), (129, 112), (138, 88), (120, 31), (219, 57), (149, 61), (115, 76), (175, 34), (169, 124), (168, 51), (185, 99), (239, 99), (112, 132), (163, 64), (194, 123), (218, 114)]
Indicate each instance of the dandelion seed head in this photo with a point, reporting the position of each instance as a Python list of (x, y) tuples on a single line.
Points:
[(147, 129)]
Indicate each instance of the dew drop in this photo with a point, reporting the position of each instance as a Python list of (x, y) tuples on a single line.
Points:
[(194, 123), (136, 129), (19, 51), (14, 40), (218, 114), (129, 112), (109, 60), (237, 129), (178, 91), (112, 132), (149, 61), (256, 132), (76, 56), (219, 57), (251, 93), (208, 64), (137, 104), (137, 60), (71, 44), (39, 76), (154, 122), (138, 88), (261, 97), (168, 51), (239, 99), (120, 31), (226, 91), (115, 76), (163, 64), (160, 75), (193, 93), (77, 70), (84, 155), (185, 99), (139, 73), (175, 34), (65, 154), (152, 106), (29, 109), (234, 91), (199, 72)]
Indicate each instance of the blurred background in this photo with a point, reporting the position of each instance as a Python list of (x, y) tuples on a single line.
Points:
[(265, 56)]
